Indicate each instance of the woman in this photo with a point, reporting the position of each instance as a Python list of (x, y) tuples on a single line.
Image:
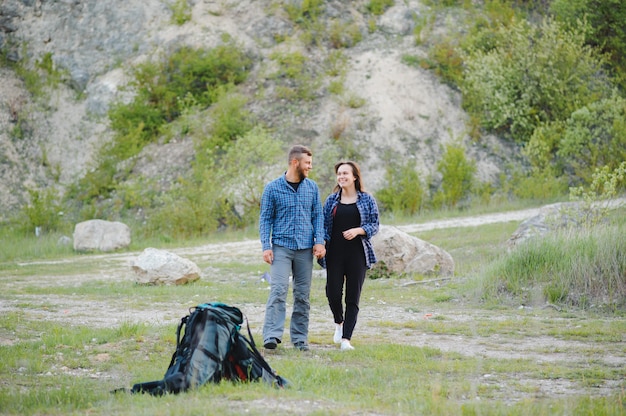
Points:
[(350, 221)]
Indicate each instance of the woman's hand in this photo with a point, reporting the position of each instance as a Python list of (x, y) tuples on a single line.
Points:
[(352, 233)]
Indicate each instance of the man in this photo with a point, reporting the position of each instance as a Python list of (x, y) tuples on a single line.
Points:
[(290, 224)]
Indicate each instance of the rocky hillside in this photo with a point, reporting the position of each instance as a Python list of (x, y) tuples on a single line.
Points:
[(405, 111)]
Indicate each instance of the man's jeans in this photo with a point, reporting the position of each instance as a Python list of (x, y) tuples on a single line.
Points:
[(300, 264)]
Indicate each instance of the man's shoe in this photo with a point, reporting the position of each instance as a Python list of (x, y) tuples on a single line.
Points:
[(301, 345), (271, 344), (338, 333)]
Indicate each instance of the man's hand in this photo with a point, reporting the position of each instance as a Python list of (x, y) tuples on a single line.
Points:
[(319, 251), (268, 256)]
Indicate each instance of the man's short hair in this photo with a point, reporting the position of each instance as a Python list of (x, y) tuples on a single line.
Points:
[(297, 151)]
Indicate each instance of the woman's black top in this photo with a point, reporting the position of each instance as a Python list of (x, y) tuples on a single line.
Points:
[(346, 216)]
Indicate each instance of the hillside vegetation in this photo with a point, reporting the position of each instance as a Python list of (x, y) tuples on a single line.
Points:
[(541, 84)]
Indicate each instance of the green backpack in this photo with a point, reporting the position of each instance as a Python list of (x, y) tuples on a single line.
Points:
[(212, 349)]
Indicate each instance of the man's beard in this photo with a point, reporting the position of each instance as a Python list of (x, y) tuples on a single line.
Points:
[(301, 174)]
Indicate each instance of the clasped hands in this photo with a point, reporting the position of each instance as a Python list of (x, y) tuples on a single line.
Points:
[(319, 251)]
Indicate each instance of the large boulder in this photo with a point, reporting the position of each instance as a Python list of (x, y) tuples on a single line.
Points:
[(550, 218), (101, 235), (402, 253), (160, 267)]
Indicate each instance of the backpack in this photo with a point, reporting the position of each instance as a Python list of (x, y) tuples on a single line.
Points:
[(212, 349)]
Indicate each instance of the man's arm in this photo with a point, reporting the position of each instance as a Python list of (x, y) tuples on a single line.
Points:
[(319, 248), (265, 219)]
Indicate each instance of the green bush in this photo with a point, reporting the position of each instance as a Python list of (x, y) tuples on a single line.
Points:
[(229, 120), (591, 137), (539, 185), (101, 180), (336, 63), (403, 191), (380, 270), (606, 27), (443, 3), (344, 35), (251, 162), (605, 185), (224, 191), (190, 209), (457, 177), (181, 12), (52, 75), (449, 63), (164, 91), (594, 136), (534, 75), (378, 7), (304, 11), (295, 78), (43, 211), (38, 78)]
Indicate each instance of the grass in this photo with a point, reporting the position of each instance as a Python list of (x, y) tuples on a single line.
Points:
[(405, 362), (65, 378), (580, 268)]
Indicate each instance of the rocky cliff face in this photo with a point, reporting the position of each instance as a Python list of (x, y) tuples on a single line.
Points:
[(51, 141)]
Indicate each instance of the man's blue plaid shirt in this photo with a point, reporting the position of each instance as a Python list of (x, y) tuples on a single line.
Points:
[(291, 219)]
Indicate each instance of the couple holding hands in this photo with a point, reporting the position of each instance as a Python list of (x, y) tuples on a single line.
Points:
[(293, 223)]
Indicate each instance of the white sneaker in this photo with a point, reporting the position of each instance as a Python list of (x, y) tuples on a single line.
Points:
[(346, 346), (338, 333)]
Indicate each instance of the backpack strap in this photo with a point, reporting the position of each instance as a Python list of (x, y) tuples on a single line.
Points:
[(269, 375)]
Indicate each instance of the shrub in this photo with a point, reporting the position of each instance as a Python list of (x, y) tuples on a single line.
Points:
[(457, 176), (163, 91), (230, 120), (294, 78), (606, 27), (540, 185), (448, 63), (42, 213), (181, 12), (403, 191), (594, 136), (251, 162), (304, 11), (535, 75), (344, 35), (38, 78), (604, 186), (191, 209), (224, 191), (378, 7), (353, 100), (52, 75), (336, 63), (380, 270)]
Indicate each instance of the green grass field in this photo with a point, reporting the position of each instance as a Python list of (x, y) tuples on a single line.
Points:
[(74, 327)]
